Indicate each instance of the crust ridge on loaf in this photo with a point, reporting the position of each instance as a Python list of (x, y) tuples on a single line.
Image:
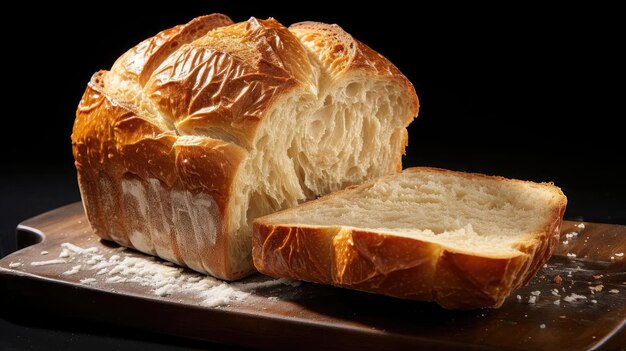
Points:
[(198, 130), (462, 240)]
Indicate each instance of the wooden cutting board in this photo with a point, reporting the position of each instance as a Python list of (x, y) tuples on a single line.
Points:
[(311, 316)]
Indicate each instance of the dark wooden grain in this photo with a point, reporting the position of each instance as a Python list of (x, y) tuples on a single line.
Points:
[(312, 316)]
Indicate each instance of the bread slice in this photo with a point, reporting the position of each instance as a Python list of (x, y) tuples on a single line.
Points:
[(463, 240), (198, 130)]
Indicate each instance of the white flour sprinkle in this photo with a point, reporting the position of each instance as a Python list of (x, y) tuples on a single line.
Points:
[(44, 252), (162, 278), (72, 247), (574, 297), (14, 264), (47, 263), (613, 291), (73, 271)]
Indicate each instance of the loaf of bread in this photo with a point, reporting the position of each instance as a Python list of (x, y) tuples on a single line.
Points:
[(462, 240), (198, 130)]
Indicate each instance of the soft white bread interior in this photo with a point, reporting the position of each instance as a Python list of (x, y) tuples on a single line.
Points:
[(204, 127), (469, 239)]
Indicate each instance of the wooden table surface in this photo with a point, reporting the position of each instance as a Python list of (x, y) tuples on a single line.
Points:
[(311, 316)]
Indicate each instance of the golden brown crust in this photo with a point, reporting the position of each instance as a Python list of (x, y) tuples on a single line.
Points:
[(112, 142), (146, 56), (226, 81), (401, 266)]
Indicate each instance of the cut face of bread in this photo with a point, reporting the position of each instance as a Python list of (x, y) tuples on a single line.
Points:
[(312, 145), (476, 215), (206, 126), (468, 239)]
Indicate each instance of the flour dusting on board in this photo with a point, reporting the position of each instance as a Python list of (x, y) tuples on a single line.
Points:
[(163, 278)]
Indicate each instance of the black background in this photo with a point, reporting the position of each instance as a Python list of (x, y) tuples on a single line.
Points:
[(525, 91)]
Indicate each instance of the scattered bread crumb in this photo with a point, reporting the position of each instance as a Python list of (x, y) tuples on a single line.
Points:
[(536, 293), (597, 276), (17, 264), (581, 226), (573, 297), (44, 252), (619, 254), (563, 317), (542, 326), (571, 235), (594, 301), (72, 271), (532, 299), (613, 291), (65, 253), (565, 242), (88, 281), (558, 279), (557, 302), (519, 298), (597, 288), (571, 255)]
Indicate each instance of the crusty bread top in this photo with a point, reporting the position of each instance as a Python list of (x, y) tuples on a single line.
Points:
[(225, 76)]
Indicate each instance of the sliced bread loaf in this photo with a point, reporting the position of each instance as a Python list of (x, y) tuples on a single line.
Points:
[(198, 130), (463, 240)]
